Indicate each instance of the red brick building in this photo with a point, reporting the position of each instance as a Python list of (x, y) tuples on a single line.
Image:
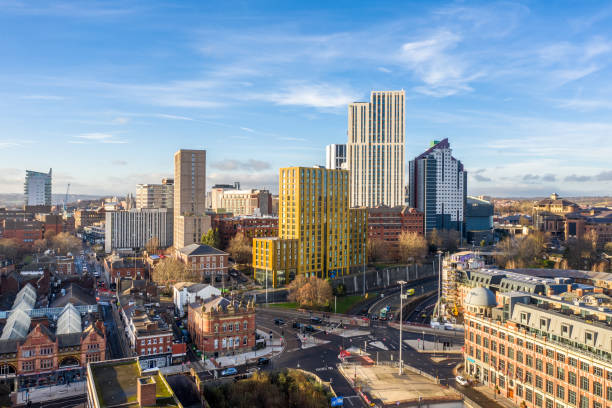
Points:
[(25, 232), (116, 268), (220, 326), (387, 223), (211, 264), (251, 227)]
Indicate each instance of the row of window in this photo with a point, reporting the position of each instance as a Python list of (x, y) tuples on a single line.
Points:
[(231, 342), (225, 327)]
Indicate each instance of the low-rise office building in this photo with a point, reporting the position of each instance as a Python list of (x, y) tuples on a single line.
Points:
[(219, 326), (210, 264)]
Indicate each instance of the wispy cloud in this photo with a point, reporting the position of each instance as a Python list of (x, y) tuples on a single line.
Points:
[(313, 95), (292, 139), (246, 129), (232, 164), (97, 137), (43, 97)]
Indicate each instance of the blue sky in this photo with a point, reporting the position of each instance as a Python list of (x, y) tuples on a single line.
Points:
[(105, 92)]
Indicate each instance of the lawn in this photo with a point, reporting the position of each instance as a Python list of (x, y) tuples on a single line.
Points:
[(343, 303), (285, 305)]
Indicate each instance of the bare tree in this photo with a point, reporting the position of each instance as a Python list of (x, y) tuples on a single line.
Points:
[(312, 292), (170, 270), (40, 245), (378, 250), (152, 245), (412, 247), (10, 248), (240, 249), (64, 243)]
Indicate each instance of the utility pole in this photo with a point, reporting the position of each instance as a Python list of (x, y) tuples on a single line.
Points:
[(266, 288), (364, 270), (401, 362)]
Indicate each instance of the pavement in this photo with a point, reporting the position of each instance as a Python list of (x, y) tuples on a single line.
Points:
[(43, 394), (243, 358), (384, 384)]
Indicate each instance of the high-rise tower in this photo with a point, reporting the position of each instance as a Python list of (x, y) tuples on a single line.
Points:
[(190, 221), (37, 188), (375, 149)]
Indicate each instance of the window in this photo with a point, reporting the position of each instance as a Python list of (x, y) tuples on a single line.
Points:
[(539, 365), (550, 353), (560, 373), (46, 363), (560, 357), (154, 341), (245, 325), (216, 328), (550, 369), (549, 387), (519, 390), (571, 397), (245, 340), (609, 393), (237, 326), (538, 382), (528, 394), (216, 343), (598, 371), (528, 377), (519, 356), (572, 361), (584, 402), (584, 383), (27, 365), (571, 378), (529, 360), (142, 343), (597, 389), (230, 327), (538, 400), (560, 392), (584, 366)]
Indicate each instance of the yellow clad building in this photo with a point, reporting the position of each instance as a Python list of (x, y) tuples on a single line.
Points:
[(318, 234)]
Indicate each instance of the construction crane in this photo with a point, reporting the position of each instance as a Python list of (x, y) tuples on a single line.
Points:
[(66, 198)]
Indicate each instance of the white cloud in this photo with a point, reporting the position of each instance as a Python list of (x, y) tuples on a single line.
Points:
[(292, 139), (43, 97), (313, 95), (121, 120), (95, 136), (246, 129)]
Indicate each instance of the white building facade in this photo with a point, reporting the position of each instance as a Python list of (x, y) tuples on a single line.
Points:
[(37, 188), (335, 156), (188, 292), (135, 227), (375, 150)]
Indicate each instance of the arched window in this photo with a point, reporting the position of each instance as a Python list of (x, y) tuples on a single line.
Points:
[(245, 340), (237, 341), (224, 342), (237, 326), (245, 324)]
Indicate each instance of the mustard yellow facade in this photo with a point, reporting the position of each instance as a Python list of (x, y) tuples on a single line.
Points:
[(314, 214)]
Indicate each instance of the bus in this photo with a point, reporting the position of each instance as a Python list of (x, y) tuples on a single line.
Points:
[(410, 292)]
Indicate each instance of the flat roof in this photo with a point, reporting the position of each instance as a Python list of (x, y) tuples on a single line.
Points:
[(116, 384)]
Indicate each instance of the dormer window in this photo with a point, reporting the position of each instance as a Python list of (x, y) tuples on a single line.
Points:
[(543, 323), (565, 330)]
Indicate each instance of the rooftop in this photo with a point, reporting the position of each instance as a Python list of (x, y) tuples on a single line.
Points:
[(116, 384), (199, 249)]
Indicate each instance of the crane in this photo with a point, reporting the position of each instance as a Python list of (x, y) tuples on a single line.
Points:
[(66, 198)]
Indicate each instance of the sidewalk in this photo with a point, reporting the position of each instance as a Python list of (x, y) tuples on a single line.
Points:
[(54, 392), (489, 393), (431, 347), (244, 358)]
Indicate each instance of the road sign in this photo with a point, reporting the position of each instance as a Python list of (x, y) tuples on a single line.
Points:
[(337, 402)]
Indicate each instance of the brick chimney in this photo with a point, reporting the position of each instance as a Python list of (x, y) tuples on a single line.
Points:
[(146, 391)]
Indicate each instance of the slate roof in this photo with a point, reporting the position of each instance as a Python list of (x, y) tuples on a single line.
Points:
[(200, 249), (76, 296)]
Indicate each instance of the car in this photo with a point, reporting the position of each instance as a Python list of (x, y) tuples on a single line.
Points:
[(229, 371), (309, 328), (279, 322), (461, 381), (263, 361), (297, 325), (316, 320)]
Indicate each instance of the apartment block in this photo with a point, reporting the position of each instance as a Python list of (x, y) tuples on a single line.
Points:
[(375, 149), (37, 188), (88, 217), (190, 220), (134, 228), (244, 202), (155, 195), (438, 186), (388, 223), (313, 211), (335, 156)]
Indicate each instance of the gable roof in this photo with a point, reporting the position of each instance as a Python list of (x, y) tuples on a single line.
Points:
[(75, 295), (17, 325), (69, 320), (200, 249)]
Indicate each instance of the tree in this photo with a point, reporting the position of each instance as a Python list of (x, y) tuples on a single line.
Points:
[(211, 238), (608, 248), (378, 250), (312, 292), (10, 248), (412, 247), (170, 270), (524, 221), (64, 243), (152, 245), (521, 251), (40, 245), (447, 240), (240, 249), (580, 253)]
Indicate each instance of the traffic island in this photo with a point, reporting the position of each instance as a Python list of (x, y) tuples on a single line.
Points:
[(383, 383)]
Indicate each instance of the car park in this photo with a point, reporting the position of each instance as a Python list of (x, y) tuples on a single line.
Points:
[(229, 371)]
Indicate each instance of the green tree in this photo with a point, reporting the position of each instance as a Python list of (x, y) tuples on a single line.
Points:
[(211, 238)]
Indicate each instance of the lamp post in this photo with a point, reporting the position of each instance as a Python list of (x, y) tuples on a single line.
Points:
[(401, 362)]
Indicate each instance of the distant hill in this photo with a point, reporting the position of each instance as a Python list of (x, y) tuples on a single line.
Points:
[(12, 200)]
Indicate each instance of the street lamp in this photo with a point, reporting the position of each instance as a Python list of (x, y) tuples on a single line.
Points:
[(402, 283)]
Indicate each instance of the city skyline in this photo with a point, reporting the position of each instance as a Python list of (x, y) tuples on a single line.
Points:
[(118, 87)]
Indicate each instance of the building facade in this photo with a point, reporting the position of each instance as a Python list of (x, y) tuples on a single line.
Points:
[(220, 326), (335, 156), (244, 202), (314, 215), (250, 227), (538, 351), (478, 220), (438, 186), (155, 195), (88, 217), (375, 149), (208, 263), (150, 337), (184, 293), (190, 220), (134, 228), (25, 232), (388, 223), (37, 188)]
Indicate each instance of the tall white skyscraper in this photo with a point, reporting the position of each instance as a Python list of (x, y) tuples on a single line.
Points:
[(335, 156), (37, 188), (375, 149), (438, 186)]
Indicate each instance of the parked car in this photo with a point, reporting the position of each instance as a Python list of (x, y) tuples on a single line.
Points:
[(309, 328), (297, 325), (461, 381), (315, 320), (279, 322), (229, 371), (263, 361)]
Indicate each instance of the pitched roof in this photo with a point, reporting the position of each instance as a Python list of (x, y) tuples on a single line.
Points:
[(200, 249), (69, 320), (17, 325), (75, 295)]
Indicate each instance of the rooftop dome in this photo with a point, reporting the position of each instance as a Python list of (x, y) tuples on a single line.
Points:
[(481, 297)]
